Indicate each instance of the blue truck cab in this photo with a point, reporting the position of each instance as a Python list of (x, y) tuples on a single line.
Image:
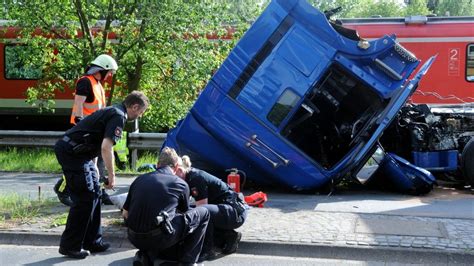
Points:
[(300, 101)]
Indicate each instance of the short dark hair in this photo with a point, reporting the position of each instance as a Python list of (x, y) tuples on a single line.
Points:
[(136, 97)]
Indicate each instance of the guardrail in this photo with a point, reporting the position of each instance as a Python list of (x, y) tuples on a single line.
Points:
[(27, 138)]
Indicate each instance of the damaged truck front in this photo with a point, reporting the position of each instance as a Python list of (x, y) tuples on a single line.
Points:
[(300, 102), (435, 131)]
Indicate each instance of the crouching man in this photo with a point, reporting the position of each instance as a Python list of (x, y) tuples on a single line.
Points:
[(227, 210), (158, 216)]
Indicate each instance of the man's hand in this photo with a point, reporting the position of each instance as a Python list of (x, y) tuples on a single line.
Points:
[(110, 182)]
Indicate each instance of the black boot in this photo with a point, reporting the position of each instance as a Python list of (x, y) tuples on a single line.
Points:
[(141, 259), (63, 195), (232, 240), (106, 198), (79, 254)]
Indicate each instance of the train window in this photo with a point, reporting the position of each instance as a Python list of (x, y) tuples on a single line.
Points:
[(20, 63), (470, 63), (282, 107)]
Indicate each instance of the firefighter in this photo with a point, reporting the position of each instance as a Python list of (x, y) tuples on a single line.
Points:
[(227, 208), (159, 220), (89, 97), (76, 152)]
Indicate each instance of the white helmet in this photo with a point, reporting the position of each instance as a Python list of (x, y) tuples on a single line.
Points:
[(106, 62)]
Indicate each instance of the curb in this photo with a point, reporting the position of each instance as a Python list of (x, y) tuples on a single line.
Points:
[(385, 254), (284, 249), (48, 239)]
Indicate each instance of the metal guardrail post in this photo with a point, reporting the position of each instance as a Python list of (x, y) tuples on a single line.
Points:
[(144, 141)]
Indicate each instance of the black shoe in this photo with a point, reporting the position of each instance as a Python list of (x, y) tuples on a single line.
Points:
[(106, 198), (170, 263), (95, 248), (65, 199), (81, 254), (141, 259), (232, 240), (63, 196), (207, 255)]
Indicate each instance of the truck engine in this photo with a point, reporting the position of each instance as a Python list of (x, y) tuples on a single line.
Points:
[(421, 129)]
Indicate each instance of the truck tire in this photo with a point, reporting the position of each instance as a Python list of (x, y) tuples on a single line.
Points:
[(467, 158)]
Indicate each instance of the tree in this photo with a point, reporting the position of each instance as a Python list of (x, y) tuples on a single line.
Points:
[(161, 46), (370, 8), (452, 7), (416, 7)]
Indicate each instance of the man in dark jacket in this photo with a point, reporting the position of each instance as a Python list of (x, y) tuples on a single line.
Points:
[(76, 152), (158, 216), (227, 209)]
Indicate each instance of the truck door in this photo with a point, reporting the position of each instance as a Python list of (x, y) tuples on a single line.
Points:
[(284, 77)]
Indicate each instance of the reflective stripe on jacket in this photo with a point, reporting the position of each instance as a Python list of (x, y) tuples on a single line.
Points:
[(97, 104)]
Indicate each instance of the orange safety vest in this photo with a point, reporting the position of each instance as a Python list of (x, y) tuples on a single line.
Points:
[(97, 104)]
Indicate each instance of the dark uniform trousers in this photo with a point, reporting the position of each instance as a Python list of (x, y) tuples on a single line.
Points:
[(183, 245), (224, 217), (83, 227)]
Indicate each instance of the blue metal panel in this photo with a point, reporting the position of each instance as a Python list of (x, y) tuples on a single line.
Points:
[(251, 43), (437, 160), (303, 52), (405, 177)]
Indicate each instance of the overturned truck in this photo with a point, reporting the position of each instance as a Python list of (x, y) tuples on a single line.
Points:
[(302, 102)]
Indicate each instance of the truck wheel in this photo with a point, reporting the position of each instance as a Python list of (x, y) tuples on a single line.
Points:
[(467, 158)]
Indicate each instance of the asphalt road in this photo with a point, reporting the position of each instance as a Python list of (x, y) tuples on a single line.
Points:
[(33, 255), (347, 211), (443, 202)]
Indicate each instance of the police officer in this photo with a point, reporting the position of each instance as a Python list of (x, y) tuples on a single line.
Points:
[(89, 97), (76, 151), (228, 210), (158, 216)]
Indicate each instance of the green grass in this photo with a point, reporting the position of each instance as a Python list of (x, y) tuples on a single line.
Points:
[(43, 160), (19, 208), (22, 208), (59, 220), (29, 160), (117, 221), (146, 157)]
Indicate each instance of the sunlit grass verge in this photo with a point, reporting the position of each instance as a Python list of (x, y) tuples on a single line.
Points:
[(144, 158), (59, 220), (29, 160), (21, 208), (44, 160)]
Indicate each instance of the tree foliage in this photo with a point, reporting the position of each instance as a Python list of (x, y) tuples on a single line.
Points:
[(370, 8), (160, 46), (452, 7)]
